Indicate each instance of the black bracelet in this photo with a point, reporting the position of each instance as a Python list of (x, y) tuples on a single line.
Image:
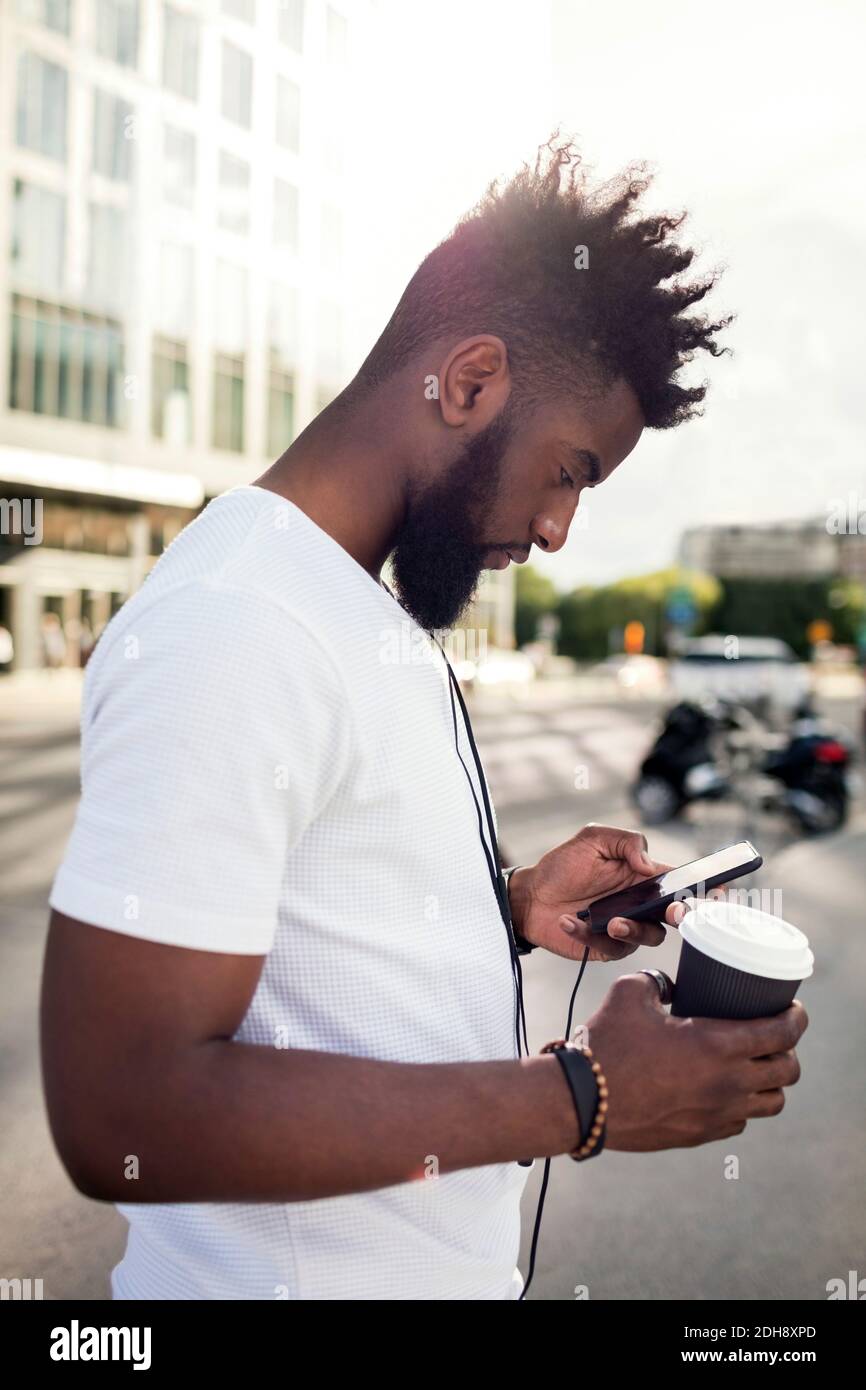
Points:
[(589, 1093), (522, 946)]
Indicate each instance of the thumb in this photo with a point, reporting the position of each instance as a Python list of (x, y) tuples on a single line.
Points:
[(662, 984), (651, 988)]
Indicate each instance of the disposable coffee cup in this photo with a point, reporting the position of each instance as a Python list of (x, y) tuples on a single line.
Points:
[(737, 962)]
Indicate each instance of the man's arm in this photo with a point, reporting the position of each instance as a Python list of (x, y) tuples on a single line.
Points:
[(138, 1061)]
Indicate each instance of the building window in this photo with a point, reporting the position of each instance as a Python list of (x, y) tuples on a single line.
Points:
[(178, 176), (66, 363), (54, 14), (331, 241), (170, 399), (281, 411), (283, 324), (117, 31), (333, 145), (291, 23), (330, 332), (230, 340), (38, 233), (107, 269), (173, 311), (336, 32), (228, 403), (288, 114), (233, 194), (237, 85), (112, 136), (230, 309), (180, 53), (285, 215), (240, 9), (283, 349), (40, 117)]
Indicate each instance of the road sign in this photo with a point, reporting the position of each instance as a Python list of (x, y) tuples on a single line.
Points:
[(819, 630), (632, 637)]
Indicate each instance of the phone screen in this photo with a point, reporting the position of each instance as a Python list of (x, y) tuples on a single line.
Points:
[(642, 897), (690, 875)]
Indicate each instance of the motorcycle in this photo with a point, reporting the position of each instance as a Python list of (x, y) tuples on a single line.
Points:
[(710, 751), (681, 765), (812, 768)]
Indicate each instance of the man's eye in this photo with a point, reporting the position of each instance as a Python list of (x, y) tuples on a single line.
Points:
[(566, 477)]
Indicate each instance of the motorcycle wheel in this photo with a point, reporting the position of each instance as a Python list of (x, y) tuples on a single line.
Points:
[(656, 800), (831, 816)]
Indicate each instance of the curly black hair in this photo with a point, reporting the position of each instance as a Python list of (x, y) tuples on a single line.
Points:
[(510, 268)]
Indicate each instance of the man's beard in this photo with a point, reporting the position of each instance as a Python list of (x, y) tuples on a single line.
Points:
[(437, 560)]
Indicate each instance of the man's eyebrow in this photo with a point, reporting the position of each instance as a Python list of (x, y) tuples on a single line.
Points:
[(591, 461)]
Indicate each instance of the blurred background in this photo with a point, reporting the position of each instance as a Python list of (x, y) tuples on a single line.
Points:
[(208, 209)]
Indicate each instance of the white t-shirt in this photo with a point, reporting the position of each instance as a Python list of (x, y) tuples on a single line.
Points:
[(269, 768)]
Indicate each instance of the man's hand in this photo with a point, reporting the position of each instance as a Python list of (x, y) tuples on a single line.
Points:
[(677, 1082), (600, 859)]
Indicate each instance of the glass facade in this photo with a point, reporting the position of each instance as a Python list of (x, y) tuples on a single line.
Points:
[(170, 392), (54, 14), (290, 23), (281, 411), (228, 403), (172, 278), (65, 362), (40, 110), (241, 9), (113, 136), (38, 237), (80, 240), (116, 30), (285, 228), (288, 132), (180, 53), (108, 259), (179, 166), (237, 85), (233, 198)]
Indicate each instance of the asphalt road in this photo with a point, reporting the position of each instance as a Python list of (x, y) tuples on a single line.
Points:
[(626, 1226), (673, 1225)]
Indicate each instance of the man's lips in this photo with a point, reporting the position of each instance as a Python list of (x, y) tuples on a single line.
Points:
[(499, 557)]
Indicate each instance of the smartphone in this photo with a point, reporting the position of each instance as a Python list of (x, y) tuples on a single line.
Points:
[(647, 900)]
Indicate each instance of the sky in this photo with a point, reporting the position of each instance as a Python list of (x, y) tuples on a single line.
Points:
[(753, 119)]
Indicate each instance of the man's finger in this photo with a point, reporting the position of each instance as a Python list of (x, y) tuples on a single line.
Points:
[(760, 1037), (639, 933), (634, 850)]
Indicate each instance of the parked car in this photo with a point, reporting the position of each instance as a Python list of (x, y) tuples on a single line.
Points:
[(498, 666), (749, 670), (635, 674)]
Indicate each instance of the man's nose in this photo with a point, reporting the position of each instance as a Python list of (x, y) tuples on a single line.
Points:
[(550, 529)]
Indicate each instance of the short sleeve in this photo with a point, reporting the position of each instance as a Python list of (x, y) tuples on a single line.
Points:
[(215, 730)]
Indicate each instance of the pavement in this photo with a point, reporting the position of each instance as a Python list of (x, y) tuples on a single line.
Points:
[(657, 1226)]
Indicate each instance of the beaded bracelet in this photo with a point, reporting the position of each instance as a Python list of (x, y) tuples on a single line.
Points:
[(593, 1135)]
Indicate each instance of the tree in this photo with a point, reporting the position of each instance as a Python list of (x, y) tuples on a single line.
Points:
[(785, 607), (535, 596), (589, 616)]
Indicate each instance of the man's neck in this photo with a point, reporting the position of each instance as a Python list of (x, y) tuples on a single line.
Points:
[(344, 471)]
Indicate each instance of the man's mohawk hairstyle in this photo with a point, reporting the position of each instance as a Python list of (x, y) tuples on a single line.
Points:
[(581, 285)]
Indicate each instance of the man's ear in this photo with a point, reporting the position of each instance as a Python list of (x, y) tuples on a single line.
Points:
[(474, 381)]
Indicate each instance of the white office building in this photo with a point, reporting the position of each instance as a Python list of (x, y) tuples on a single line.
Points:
[(172, 276)]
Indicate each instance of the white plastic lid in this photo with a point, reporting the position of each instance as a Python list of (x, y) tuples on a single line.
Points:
[(749, 940)]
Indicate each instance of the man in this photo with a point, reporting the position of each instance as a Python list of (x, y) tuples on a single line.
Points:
[(278, 1004)]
